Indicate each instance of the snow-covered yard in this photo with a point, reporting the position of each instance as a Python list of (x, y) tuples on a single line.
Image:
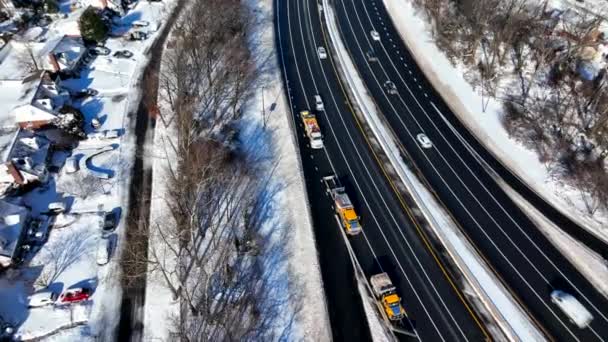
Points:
[(100, 184)]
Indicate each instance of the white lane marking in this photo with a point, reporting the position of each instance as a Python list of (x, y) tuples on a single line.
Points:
[(446, 184)]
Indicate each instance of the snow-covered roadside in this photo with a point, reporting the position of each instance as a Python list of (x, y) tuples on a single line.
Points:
[(589, 263), (311, 320), (496, 300), (467, 104)]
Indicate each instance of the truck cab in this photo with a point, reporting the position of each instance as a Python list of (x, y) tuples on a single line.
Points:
[(392, 306)]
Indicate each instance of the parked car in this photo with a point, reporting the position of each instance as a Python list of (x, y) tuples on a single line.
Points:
[(108, 134), (71, 164), (75, 295), (322, 53), (123, 54), (56, 207), (38, 232), (42, 298), (390, 88), (84, 93), (137, 35), (104, 250), (110, 222), (140, 23), (319, 103), (95, 123), (375, 35), (424, 141), (99, 51)]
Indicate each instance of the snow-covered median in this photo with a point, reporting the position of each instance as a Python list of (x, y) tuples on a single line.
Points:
[(496, 300)]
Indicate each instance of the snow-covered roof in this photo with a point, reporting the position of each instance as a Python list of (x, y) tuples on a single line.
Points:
[(28, 151), (67, 49), (14, 58), (30, 99), (12, 222)]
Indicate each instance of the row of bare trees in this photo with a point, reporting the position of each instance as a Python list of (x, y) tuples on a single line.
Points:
[(219, 248), (529, 56)]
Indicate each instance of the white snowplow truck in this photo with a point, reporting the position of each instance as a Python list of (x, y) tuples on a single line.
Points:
[(570, 306), (343, 206), (311, 125), (386, 293)]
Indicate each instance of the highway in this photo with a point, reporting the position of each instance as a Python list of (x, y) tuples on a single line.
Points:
[(391, 241), (526, 262)]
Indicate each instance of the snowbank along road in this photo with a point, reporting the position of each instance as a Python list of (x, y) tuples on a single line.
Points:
[(390, 242), (517, 251)]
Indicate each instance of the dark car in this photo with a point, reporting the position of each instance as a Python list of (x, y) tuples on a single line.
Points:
[(109, 222), (99, 51), (84, 93), (123, 54), (138, 35)]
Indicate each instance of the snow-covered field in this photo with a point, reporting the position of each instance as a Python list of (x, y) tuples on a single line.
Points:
[(100, 184), (497, 301), (467, 103)]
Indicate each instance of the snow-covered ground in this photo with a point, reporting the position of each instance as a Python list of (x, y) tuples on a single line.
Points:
[(497, 301), (100, 184), (466, 102), (311, 320)]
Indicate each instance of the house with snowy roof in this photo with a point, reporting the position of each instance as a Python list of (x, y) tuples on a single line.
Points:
[(13, 222), (62, 53)]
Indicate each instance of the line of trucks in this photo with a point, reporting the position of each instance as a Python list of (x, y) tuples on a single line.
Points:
[(382, 286), (384, 290)]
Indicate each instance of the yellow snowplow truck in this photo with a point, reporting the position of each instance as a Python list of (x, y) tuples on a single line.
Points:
[(342, 205), (386, 293)]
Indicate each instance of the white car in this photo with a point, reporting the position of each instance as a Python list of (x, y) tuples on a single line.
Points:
[(42, 298), (56, 207), (103, 251), (319, 103), (424, 141), (375, 35), (576, 312), (322, 53), (71, 165)]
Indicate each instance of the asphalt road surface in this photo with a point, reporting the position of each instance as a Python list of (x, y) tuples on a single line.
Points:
[(390, 241), (523, 258)]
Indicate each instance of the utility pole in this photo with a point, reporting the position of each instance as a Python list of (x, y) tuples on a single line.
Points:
[(263, 109)]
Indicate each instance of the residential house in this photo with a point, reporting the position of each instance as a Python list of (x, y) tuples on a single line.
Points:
[(24, 161), (62, 54), (13, 222)]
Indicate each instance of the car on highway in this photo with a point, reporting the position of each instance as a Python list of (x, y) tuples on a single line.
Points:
[(322, 53), (42, 298), (375, 35), (424, 141), (319, 103), (390, 87), (371, 57), (572, 308), (75, 295)]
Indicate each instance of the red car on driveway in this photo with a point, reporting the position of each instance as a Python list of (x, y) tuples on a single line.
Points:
[(75, 295)]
